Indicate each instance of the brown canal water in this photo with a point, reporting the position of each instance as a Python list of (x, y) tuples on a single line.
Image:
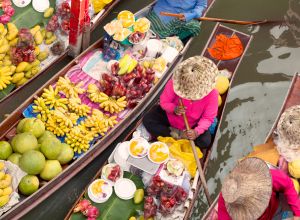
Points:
[(258, 90)]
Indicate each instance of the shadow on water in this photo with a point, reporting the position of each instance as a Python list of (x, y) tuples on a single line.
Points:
[(259, 87)]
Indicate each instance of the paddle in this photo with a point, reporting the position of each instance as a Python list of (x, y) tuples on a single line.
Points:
[(201, 173), (181, 16)]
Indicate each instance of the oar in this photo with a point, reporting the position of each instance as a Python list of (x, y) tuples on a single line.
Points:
[(201, 173), (179, 16)]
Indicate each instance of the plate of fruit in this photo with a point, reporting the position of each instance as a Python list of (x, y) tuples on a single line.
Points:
[(111, 173), (138, 147), (99, 191), (158, 152), (136, 37)]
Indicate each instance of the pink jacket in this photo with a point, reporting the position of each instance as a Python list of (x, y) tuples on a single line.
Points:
[(281, 183), (200, 113)]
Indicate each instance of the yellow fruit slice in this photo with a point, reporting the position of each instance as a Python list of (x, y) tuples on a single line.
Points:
[(142, 25)]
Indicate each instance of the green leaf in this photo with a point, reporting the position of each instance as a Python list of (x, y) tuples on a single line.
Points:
[(116, 208), (27, 17), (6, 91)]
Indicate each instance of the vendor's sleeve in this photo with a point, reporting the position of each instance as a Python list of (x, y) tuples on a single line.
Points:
[(209, 113), (167, 98), (222, 211), (283, 183), (198, 10)]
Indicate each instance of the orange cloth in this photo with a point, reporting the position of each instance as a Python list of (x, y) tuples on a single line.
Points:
[(226, 48), (266, 152)]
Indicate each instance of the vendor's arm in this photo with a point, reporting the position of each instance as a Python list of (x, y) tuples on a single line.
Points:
[(222, 211), (209, 113), (283, 183), (197, 11), (168, 97)]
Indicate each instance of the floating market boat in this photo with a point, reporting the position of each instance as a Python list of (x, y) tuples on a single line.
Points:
[(292, 98), (84, 71), (127, 208), (34, 19)]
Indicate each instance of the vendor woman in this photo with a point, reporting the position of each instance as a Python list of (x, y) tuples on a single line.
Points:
[(193, 82), (187, 26), (251, 191)]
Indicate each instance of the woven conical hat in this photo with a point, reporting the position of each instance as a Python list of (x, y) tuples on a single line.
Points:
[(247, 189), (195, 78), (288, 129)]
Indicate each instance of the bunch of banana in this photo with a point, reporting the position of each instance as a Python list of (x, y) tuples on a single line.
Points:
[(53, 99), (70, 89), (97, 122), (114, 106), (41, 108), (76, 106), (5, 186), (96, 95), (5, 77), (79, 138)]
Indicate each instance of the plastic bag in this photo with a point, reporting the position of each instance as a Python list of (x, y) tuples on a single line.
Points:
[(182, 150)]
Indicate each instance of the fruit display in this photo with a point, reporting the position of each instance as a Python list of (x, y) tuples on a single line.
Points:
[(100, 191)]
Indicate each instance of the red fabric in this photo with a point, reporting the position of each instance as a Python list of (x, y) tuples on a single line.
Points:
[(200, 113), (226, 48), (281, 184)]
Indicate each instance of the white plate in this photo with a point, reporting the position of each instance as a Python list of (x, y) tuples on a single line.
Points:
[(141, 141), (125, 188), (21, 3), (106, 188), (166, 149), (40, 5)]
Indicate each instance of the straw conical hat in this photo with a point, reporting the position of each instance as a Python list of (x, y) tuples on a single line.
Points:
[(247, 189), (288, 129), (195, 78)]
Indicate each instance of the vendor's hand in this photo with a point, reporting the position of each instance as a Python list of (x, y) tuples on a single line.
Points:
[(191, 134), (179, 110)]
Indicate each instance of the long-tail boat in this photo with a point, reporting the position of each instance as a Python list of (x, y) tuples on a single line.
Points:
[(95, 21), (231, 66), (8, 126), (292, 98)]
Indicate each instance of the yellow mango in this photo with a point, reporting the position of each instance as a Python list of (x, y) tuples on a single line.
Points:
[(4, 69), (12, 31), (28, 67), (43, 32), (22, 81), (36, 62), (22, 66), (1, 192), (4, 200), (17, 77), (37, 50), (35, 29), (2, 55), (38, 38), (6, 57), (48, 12), (7, 191), (43, 55), (4, 48), (13, 42), (6, 181), (2, 28)]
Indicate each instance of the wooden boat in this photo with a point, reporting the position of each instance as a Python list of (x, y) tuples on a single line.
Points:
[(9, 124), (232, 66), (292, 98), (96, 20)]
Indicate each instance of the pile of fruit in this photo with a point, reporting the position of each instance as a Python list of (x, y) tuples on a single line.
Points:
[(5, 185), (168, 195), (61, 107), (37, 152)]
